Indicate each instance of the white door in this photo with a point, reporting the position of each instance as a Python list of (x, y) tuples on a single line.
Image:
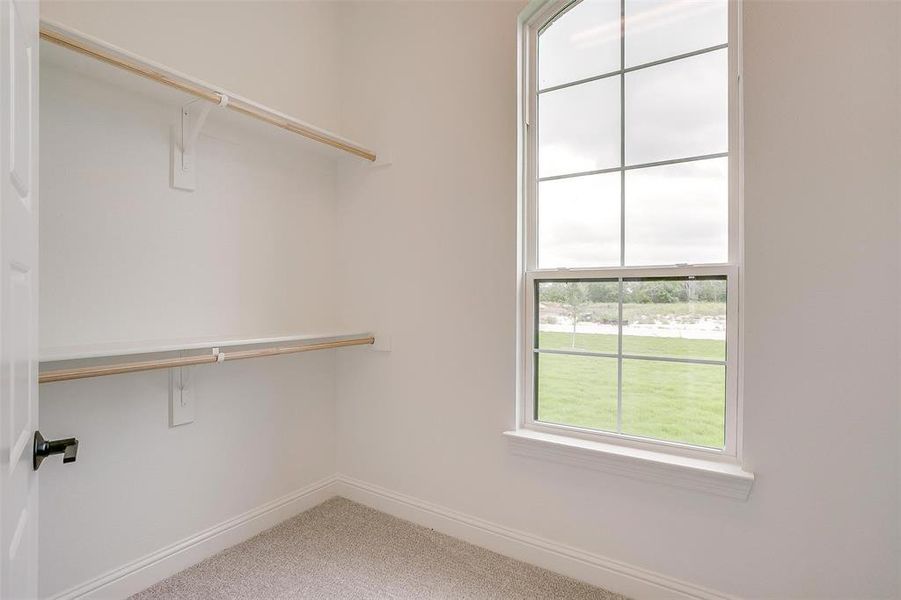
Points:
[(18, 298)]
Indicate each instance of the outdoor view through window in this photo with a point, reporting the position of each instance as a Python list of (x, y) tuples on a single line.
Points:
[(631, 187)]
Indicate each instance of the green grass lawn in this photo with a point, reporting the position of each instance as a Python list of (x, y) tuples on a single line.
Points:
[(664, 400), (635, 344)]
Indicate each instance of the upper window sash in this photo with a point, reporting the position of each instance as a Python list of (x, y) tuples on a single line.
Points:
[(532, 181)]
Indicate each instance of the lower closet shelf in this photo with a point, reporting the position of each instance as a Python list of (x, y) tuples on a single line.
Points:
[(251, 348)]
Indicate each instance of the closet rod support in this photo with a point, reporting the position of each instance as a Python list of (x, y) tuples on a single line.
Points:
[(193, 117)]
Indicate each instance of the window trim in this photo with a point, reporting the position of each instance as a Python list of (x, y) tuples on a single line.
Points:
[(720, 478), (538, 15)]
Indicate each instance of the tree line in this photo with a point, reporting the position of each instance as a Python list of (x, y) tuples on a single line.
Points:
[(656, 291)]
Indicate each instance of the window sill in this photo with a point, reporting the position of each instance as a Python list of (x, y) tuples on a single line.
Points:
[(709, 476)]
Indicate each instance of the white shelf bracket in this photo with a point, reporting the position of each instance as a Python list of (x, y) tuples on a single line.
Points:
[(184, 152), (181, 396)]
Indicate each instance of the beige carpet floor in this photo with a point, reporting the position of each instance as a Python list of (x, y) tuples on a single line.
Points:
[(342, 550)]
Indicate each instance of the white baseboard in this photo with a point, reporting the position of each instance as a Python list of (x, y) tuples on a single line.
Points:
[(144, 572), (592, 568), (601, 571)]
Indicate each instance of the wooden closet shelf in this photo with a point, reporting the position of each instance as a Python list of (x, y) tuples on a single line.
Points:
[(274, 346), (104, 52)]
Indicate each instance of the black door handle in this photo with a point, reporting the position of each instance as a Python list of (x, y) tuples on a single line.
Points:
[(44, 448)]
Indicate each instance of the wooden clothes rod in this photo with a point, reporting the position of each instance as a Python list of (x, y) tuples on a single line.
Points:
[(187, 361), (99, 50)]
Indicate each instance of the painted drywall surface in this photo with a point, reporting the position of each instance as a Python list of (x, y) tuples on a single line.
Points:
[(282, 54), (263, 429), (124, 256), (428, 254)]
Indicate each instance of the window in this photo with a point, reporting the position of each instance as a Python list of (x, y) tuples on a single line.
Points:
[(630, 224)]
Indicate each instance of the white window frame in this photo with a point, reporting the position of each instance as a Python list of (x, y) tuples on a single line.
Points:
[(532, 20)]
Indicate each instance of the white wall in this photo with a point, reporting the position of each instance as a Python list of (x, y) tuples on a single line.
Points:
[(125, 257), (263, 429), (428, 253)]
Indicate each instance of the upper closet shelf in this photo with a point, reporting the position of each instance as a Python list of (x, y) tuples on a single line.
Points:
[(94, 48)]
